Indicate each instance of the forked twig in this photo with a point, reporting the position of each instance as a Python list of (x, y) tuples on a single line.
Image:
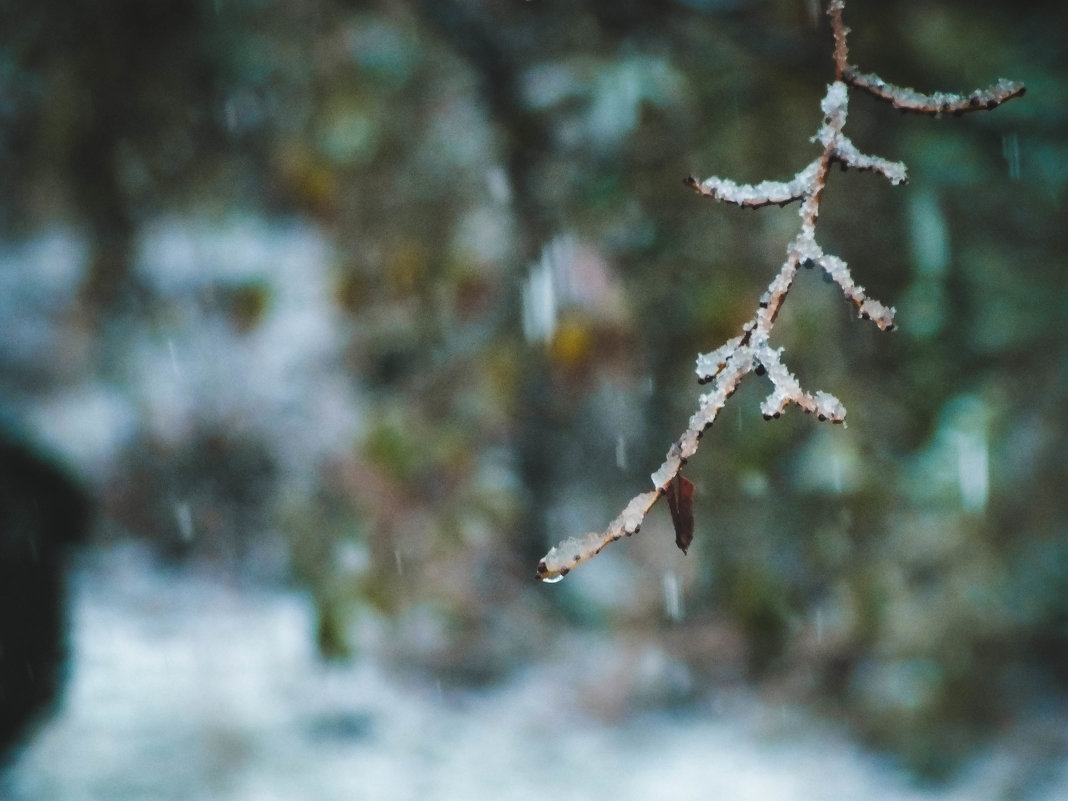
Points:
[(751, 351)]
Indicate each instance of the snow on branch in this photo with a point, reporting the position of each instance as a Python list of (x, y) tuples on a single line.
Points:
[(722, 369), (938, 103), (753, 196)]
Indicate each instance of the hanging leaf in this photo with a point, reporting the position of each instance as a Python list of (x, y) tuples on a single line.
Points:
[(680, 503)]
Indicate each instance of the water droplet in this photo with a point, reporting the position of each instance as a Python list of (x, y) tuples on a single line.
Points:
[(553, 579)]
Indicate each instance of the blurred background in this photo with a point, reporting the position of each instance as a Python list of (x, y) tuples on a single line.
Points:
[(323, 320)]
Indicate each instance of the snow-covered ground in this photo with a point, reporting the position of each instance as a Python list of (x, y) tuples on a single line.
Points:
[(186, 686)]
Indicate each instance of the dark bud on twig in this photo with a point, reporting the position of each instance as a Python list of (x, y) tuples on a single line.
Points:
[(679, 493)]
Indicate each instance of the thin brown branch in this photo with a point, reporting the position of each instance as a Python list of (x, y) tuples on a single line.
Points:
[(841, 51)]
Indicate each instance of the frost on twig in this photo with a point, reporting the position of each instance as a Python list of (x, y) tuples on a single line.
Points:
[(722, 369), (753, 196), (938, 103)]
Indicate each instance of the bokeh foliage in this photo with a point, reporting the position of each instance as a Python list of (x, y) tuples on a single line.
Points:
[(441, 148)]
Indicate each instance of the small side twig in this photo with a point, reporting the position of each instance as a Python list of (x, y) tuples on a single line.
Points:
[(725, 367), (938, 103)]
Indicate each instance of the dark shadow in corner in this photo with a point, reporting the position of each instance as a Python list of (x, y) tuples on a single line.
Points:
[(42, 512)]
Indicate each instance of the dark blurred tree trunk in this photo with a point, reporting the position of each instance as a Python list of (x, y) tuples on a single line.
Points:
[(116, 90), (41, 512), (526, 144)]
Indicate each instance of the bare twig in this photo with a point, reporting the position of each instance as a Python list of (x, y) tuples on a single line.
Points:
[(751, 351)]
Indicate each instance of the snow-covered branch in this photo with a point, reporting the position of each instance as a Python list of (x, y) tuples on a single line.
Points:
[(751, 352), (766, 193), (938, 103)]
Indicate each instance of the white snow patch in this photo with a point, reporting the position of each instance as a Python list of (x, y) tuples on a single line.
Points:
[(185, 688)]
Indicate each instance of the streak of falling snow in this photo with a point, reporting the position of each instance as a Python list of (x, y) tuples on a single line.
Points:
[(399, 559), (230, 109), (183, 514), (673, 604), (548, 286), (973, 469), (621, 452), (1010, 149), (539, 304), (497, 184), (928, 235), (174, 357), (835, 463)]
